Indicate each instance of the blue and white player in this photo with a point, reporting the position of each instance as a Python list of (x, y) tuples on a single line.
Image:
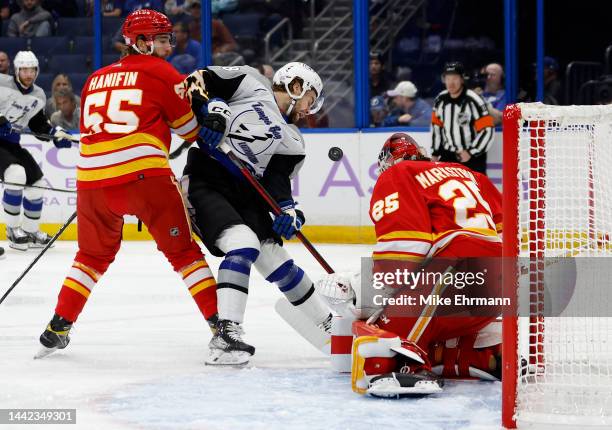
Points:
[(239, 106), (22, 105)]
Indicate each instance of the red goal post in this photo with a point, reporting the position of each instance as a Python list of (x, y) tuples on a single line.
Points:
[(557, 189)]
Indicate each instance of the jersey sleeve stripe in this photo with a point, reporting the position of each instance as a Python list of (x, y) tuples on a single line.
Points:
[(186, 128), (404, 256), (413, 247), (182, 120), (483, 122), (96, 148), (151, 162), (191, 136), (406, 235)]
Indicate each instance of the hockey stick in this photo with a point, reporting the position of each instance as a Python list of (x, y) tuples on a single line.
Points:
[(59, 190), (53, 239), (250, 177), (3, 121), (178, 151)]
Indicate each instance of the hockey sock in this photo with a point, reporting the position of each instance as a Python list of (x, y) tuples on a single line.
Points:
[(75, 291), (13, 194), (202, 286), (32, 208), (233, 288), (11, 201), (299, 290)]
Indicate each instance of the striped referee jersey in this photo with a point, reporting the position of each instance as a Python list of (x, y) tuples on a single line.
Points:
[(461, 123)]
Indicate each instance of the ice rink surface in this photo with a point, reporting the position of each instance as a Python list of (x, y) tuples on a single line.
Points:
[(136, 357)]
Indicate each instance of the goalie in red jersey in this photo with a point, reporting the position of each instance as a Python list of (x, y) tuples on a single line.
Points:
[(128, 109), (431, 219)]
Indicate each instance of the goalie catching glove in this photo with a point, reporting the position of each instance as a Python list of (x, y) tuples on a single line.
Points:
[(290, 220)]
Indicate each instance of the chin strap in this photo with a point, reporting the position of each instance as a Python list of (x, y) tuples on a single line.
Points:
[(151, 49)]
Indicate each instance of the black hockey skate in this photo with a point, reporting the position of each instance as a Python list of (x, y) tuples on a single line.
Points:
[(227, 347), (55, 336), (39, 239), (17, 238), (212, 323)]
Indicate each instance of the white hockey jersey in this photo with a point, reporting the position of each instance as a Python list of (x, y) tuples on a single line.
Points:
[(257, 129), (19, 108)]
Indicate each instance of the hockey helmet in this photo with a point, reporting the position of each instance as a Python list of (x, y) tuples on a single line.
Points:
[(25, 59), (310, 81), (399, 147), (147, 23)]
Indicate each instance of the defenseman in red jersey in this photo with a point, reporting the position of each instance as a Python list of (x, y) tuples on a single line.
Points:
[(424, 212), (128, 109)]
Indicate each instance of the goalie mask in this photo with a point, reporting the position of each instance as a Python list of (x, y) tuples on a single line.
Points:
[(148, 24), (399, 147), (310, 80)]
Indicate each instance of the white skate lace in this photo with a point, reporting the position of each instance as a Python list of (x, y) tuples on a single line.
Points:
[(235, 332), (17, 232)]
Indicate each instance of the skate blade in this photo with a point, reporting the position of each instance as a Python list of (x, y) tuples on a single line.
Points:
[(233, 358), (19, 246), (39, 245), (43, 352)]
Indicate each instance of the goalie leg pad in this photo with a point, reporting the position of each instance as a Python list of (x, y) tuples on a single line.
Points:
[(458, 358)]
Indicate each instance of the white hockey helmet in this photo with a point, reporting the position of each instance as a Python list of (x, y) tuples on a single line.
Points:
[(310, 81), (25, 59)]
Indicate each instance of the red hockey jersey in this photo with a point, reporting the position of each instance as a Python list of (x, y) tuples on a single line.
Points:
[(127, 111), (418, 207)]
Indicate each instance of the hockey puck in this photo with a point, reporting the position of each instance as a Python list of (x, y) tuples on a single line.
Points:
[(335, 153)]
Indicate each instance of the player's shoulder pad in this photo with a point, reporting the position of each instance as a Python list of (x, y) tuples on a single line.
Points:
[(5, 80)]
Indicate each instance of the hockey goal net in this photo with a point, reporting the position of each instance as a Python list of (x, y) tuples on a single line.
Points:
[(557, 187)]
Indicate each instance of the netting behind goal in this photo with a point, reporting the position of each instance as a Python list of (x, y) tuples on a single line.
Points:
[(558, 203)]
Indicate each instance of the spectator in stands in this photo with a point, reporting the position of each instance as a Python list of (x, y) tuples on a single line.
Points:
[(553, 90), (68, 114), (224, 46), (61, 81), (187, 54), (380, 80), (31, 21), (176, 9), (8, 8), (378, 111), (462, 126), (5, 63), (494, 92), (132, 5), (66, 8), (409, 109), (112, 7)]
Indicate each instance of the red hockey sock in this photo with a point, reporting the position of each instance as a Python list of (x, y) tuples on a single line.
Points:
[(202, 286)]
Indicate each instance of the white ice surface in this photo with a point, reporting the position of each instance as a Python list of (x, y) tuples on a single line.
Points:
[(136, 358)]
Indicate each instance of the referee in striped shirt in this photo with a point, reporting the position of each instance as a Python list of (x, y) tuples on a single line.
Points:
[(462, 125)]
